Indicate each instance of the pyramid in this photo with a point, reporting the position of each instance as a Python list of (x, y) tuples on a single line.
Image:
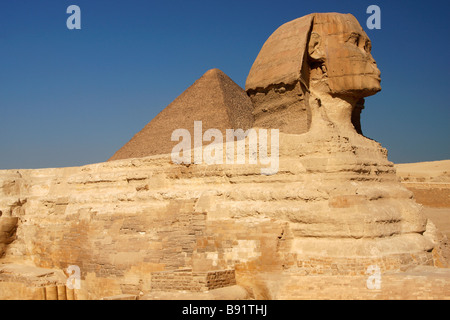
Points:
[(214, 99)]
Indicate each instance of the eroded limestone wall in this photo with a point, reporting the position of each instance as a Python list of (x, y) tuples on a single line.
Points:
[(122, 221)]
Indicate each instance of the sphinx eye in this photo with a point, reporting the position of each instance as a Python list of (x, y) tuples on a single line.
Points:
[(368, 46), (354, 39)]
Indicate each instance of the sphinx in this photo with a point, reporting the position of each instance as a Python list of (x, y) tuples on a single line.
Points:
[(310, 80)]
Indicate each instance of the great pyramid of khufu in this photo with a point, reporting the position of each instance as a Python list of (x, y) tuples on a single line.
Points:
[(214, 99)]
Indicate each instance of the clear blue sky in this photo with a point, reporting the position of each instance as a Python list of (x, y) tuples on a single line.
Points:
[(74, 97)]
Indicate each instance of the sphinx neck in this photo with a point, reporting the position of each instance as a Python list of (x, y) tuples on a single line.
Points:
[(334, 112)]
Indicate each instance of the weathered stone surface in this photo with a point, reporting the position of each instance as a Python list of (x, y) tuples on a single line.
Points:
[(121, 297), (7, 232), (26, 282), (234, 292), (419, 283), (187, 280)]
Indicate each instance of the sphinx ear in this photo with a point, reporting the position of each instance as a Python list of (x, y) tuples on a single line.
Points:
[(315, 51)]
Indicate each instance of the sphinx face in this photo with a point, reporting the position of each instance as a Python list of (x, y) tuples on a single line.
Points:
[(350, 67)]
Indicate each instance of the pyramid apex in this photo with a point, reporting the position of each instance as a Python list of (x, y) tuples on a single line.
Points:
[(214, 71)]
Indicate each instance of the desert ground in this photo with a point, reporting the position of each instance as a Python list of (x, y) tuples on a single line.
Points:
[(430, 183)]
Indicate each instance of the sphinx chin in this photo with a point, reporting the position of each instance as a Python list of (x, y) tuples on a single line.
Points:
[(369, 88), (358, 93), (370, 91)]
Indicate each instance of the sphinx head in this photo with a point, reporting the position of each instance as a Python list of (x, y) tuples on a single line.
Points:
[(326, 55), (339, 56)]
